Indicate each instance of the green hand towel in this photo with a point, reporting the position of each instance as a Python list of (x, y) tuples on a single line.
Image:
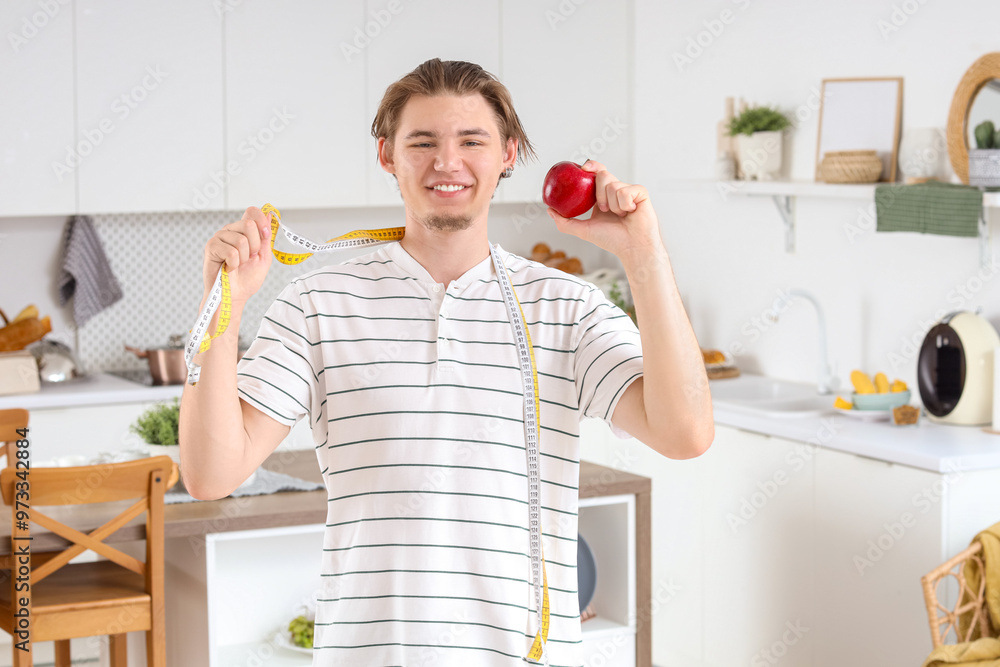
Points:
[(929, 208)]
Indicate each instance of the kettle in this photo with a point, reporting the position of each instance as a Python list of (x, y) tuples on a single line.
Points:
[(955, 370)]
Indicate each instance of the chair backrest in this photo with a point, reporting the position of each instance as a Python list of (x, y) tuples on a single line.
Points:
[(145, 480), (969, 603), (11, 421)]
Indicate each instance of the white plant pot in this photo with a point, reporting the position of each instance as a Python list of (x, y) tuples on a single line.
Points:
[(760, 155), (173, 451)]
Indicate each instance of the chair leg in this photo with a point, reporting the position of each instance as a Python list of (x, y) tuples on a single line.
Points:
[(156, 637), (118, 650), (156, 648), (62, 653), (22, 658)]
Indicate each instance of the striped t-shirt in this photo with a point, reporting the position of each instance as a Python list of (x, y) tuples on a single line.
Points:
[(414, 394)]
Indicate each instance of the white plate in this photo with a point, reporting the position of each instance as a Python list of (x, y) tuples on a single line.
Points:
[(282, 639), (866, 415)]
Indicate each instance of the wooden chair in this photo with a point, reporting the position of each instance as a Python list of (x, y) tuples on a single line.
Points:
[(944, 620), (108, 597), (10, 422)]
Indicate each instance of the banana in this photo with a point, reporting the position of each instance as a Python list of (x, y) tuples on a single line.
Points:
[(897, 386), (862, 383), (881, 383), (29, 313)]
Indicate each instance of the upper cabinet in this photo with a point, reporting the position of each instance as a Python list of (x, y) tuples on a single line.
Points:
[(39, 151), (295, 121), (568, 67), (195, 105), (396, 42), (149, 90)]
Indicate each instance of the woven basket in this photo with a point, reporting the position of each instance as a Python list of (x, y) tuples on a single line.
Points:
[(850, 167)]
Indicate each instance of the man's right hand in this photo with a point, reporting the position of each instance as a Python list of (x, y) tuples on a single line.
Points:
[(245, 248)]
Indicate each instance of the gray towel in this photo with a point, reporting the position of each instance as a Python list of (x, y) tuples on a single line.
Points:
[(86, 275), (266, 481)]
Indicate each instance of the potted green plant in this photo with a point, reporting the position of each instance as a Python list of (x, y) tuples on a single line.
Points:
[(158, 428), (984, 159), (758, 132)]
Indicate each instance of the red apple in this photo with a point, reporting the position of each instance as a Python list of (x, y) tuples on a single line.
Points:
[(569, 189)]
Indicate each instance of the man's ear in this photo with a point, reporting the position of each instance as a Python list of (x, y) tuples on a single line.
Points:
[(510, 153), (385, 156)]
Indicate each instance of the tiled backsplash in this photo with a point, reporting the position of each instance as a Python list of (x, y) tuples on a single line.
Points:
[(157, 258)]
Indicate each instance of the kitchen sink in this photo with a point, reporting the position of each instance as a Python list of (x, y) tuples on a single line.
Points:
[(770, 397)]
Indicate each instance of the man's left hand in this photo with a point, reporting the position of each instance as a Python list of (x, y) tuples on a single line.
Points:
[(622, 222)]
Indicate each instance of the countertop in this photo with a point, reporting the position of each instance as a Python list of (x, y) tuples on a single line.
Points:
[(95, 389), (929, 446)]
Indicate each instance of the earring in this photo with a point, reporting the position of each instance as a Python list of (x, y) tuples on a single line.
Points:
[(507, 173)]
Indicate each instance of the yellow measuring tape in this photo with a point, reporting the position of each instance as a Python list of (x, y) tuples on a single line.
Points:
[(538, 647), (358, 238), (220, 298)]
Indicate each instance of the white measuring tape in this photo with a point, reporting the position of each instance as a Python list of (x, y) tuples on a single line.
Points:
[(219, 299)]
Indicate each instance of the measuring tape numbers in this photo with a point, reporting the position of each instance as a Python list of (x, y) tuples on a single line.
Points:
[(220, 299)]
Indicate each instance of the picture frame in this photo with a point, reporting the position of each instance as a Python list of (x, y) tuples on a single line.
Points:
[(861, 114)]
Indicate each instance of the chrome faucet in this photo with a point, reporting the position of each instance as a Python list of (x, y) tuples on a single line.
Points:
[(827, 382)]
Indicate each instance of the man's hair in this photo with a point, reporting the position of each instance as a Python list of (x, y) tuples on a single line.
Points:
[(451, 77)]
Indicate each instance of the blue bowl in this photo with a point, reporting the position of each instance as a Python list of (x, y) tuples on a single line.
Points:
[(880, 401)]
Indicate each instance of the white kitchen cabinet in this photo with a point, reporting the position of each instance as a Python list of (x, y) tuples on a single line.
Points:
[(878, 529), (296, 127), (149, 92), (757, 513), (568, 67), (38, 143), (773, 551), (415, 33)]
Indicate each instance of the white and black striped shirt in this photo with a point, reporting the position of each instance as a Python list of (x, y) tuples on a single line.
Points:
[(414, 394)]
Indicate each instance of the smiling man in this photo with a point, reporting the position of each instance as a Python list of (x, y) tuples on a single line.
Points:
[(406, 365)]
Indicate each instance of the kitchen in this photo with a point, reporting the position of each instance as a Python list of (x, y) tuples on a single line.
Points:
[(164, 121)]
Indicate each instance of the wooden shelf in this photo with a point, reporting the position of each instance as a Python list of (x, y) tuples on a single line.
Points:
[(785, 193), (793, 189), (775, 188)]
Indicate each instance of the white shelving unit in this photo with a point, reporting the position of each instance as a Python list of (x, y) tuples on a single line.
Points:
[(785, 193), (608, 524), (223, 602)]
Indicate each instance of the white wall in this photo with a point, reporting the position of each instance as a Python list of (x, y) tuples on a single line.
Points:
[(878, 290)]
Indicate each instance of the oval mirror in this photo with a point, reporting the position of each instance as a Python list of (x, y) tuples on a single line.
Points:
[(985, 106), (976, 99)]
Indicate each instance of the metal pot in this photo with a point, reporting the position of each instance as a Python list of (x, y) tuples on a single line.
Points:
[(166, 364)]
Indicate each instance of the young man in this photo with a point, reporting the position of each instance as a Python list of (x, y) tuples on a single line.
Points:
[(405, 363)]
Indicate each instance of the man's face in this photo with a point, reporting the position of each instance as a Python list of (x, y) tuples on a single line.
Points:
[(447, 157)]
